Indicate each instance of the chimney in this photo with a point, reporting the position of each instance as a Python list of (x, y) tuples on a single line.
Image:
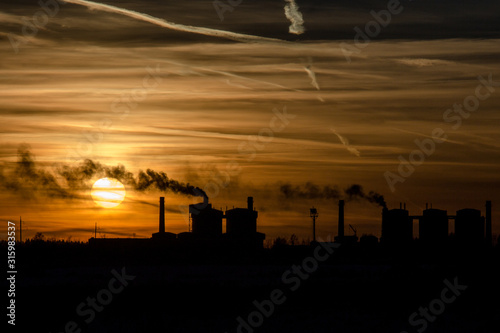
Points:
[(488, 223), (341, 219), (162, 214), (250, 203)]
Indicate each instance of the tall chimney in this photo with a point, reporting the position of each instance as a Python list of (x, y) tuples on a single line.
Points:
[(488, 223), (162, 214), (341, 219), (250, 203)]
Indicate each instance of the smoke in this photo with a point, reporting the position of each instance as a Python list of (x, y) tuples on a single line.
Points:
[(174, 26), (355, 192), (67, 181), (27, 179), (309, 191), (312, 191), (293, 14)]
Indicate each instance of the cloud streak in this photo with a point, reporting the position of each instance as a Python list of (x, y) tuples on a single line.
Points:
[(293, 14), (312, 75), (345, 142), (174, 26)]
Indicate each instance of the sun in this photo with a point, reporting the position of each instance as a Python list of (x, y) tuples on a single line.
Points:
[(108, 192)]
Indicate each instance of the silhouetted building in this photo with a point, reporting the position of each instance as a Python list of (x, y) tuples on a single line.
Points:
[(241, 221), (433, 227), (241, 227), (368, 240), (469, 226), (397, 227), (206, 221)]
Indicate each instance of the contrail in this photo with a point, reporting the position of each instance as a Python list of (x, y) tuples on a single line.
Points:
[(312, 75), (293, 14), (232, 75), (345, 142), (174, 26)]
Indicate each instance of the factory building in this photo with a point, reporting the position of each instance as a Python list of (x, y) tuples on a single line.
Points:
[(206, 221), (241, 227), (397, 227), (241, 221), (433, 227), (469, 226)]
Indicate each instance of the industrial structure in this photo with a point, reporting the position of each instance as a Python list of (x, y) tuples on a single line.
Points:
[(241, 225), (205, 229), (161, 234), (397, 226), (433, 226), (341, 237)]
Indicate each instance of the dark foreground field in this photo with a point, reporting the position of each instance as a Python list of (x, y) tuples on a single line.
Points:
[(176, 290)]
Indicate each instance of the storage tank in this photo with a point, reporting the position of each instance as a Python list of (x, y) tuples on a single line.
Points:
[(206, 221), (397, 227), (469, 226), (241, 222), (433, 226)]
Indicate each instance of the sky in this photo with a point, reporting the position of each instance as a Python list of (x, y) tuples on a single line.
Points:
[(244, 100)]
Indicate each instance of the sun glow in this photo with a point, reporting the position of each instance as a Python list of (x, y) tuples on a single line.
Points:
[(108, 192)]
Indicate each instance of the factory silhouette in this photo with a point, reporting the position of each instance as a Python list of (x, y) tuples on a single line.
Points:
[(206, 229)]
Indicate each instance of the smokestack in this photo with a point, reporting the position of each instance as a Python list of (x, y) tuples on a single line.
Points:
[(341, 219), (162, 214), (488, 223), (250, 203)]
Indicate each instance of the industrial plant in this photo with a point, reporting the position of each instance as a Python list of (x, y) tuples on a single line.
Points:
[(471, 228), (205, 229)]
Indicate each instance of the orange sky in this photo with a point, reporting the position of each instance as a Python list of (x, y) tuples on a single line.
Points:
[(190, 108)]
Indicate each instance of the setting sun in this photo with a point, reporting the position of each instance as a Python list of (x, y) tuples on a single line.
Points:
[(108, 192)]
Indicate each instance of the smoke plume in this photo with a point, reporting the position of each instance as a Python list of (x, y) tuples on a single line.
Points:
[(313, 191), (28, 180)]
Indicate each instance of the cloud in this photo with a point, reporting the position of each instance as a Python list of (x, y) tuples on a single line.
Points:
[(345, 142), (175, 26), (312, 75), (293, 14), (421, 62)]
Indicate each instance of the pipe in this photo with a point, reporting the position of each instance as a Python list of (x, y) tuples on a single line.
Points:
[(488, 223), (162, 214), (250, 203), (341, 219)]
